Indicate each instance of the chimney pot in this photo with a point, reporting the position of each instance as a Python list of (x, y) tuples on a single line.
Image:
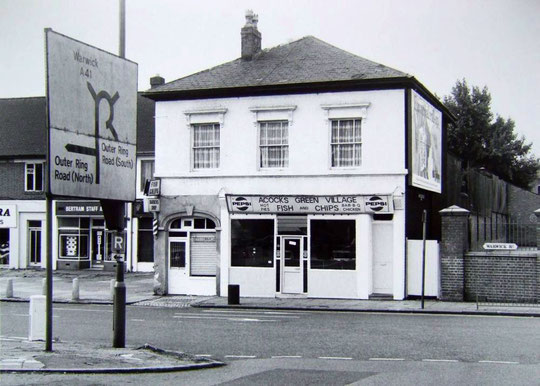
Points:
[(156, 81), (251, 37)]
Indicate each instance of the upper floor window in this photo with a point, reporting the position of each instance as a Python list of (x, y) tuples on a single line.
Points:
[(274, 144), (205, 146), (147, 172), (34, 177), (346, 142)]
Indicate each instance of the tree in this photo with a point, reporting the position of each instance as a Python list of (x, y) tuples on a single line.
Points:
[(485, 141)]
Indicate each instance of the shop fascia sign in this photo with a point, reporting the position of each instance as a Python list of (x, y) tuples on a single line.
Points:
[(151, 204), (73, 208), (306, 204), (8, 216)]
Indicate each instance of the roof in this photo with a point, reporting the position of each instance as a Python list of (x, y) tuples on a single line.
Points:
[(23, 127), (307, 60)]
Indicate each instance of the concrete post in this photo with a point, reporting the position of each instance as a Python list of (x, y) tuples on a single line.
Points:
[(75, 290), (454, 244), (537, 213), (9, 288), (37, 317), (44, 286)]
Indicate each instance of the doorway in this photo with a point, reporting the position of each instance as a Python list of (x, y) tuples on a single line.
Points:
[(34, 242), (293, 265)]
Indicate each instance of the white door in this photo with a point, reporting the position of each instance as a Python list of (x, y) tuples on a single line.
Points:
[(292, 265), (383, 252), (177, 265)]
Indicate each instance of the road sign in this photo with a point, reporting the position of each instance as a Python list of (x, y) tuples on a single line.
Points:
[(92, 102), (118, 242), (500, 246)]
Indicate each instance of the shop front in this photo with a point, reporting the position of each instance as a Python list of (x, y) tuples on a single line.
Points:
[(82, 238), (311, 246)]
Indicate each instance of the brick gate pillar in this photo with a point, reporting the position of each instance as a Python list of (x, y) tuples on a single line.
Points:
[(454, 244)]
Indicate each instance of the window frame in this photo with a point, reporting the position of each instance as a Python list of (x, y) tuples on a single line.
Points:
[(312, 240), (281, 145), (30, 170), (354, 143), (258, 217), (193, 126)]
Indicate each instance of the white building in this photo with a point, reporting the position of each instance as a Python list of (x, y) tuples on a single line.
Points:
[(285, 172)]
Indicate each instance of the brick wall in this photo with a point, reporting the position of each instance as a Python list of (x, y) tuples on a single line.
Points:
[(501, 277), (12, 183)]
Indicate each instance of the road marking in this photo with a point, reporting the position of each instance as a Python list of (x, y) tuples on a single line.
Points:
[(253, 312), (500, 362), (81, 309), (26, 315), (223, 318), (286, 356), (440, 360), (138, 320), (337, 358), (386, 359), (241, 356), (203, 355), (258, 314)]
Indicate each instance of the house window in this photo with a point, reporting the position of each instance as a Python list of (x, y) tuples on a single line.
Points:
[(34, 177), (206, 146), (252, 243), (274, 144), (147, 172), (346, 142), (333, 244)]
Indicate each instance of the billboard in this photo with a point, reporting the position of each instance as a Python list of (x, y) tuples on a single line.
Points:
[(425, 146), (92, 109)]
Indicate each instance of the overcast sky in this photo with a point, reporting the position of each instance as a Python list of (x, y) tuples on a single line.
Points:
[(494, 43)]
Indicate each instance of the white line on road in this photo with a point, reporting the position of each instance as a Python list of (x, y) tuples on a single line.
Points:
[(241, 356), (137, 320), (203, 355), (286, 356), (258, 314), (337, 358), (440, 360), (500, 362), (253, 312), (82, 309), (26, 315), (386, 359), (223, 318)]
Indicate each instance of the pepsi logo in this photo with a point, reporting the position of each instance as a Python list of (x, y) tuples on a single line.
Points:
[(241, 203), (376, 204)]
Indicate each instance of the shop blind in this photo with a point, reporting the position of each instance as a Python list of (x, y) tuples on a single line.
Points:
[(203, 254), (292, 225)]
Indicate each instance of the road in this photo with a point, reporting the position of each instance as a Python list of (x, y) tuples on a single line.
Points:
[(262, 347)]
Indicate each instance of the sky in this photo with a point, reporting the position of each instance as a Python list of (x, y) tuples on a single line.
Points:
[(493, 43)]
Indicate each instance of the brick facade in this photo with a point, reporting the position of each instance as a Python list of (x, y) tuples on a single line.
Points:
[(12, 180)]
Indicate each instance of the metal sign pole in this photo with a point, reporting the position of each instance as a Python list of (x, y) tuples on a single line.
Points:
[(424, 220), (49, 277)]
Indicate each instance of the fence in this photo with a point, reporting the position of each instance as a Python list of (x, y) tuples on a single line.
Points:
[(497, 229)]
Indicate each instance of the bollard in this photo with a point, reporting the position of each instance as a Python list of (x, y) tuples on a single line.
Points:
[(234, 294), (37, 317), (75, 290), (44, 286), (9, 288), (112, 289)]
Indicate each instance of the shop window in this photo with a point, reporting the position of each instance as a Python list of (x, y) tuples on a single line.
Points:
[(346, 142), (73, 246), (34, 177), (333, 244), (252, 243), (145, 241), (205, 146), (274, 144), (4, 246)]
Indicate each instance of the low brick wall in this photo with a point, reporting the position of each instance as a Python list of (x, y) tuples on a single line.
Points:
[(501, 277)]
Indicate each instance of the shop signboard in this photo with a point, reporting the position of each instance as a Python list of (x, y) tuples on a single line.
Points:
[(425, 146), (78, 208), (302, 204), (151, 204), (92, 109), (8, 216)]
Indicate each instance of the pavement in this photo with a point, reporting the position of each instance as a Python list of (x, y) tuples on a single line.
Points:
[(95, 287)]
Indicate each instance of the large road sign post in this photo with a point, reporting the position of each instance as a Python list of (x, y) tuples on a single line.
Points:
[(92, 116)]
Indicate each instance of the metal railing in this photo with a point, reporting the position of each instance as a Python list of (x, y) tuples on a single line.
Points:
[(491, 230)]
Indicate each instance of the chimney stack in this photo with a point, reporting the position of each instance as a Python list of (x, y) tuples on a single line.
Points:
[(251, 37), (156, 81)]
